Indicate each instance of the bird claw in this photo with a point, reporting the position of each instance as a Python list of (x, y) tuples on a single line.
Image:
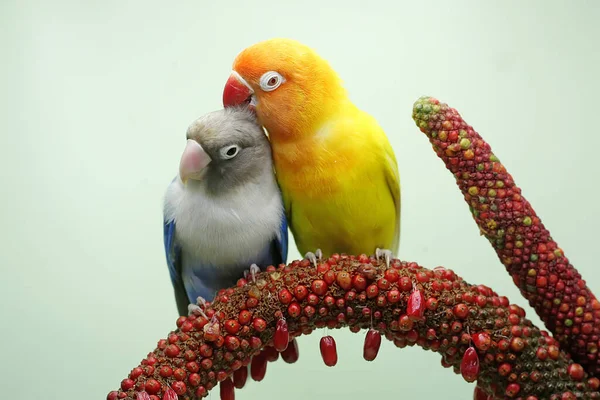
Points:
[(254, 269), (385, 253), (201, 301), (194, 309), (314, 257)]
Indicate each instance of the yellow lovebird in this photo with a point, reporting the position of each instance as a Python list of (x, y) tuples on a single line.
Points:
[(335, 166)]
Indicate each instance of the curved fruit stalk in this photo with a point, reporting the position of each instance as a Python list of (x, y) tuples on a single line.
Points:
[(536, 263), (521, 360)]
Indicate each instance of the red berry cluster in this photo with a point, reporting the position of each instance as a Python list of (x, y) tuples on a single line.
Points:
[(536, 263), (478, 333)]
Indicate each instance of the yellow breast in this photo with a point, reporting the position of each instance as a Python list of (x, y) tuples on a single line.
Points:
[(334, 187)]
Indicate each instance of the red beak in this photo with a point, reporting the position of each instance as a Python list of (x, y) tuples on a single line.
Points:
[(236, 91)]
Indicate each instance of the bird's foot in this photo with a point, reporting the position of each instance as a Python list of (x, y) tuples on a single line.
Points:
[(385, 253), (194, 309), (251, 273), (314, 257), (201, 301)]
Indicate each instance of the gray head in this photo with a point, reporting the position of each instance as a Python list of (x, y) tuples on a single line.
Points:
[(225, 149)]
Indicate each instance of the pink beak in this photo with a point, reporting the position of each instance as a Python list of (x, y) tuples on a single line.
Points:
[(193, 161)]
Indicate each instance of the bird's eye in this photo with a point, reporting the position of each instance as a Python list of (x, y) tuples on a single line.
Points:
[(270, 81), (228, 152)]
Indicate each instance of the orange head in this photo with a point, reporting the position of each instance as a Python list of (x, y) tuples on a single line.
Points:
[(289, 86)]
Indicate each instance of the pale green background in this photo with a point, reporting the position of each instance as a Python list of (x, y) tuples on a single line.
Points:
[(96, 98)]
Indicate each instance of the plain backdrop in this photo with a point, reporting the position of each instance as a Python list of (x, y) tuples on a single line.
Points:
[(96, 97)]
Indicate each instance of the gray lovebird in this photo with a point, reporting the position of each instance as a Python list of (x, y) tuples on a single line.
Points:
[(223, 213)]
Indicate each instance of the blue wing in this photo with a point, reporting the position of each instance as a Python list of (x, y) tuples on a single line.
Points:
[(204, 280), (173, 254), (281, 240)]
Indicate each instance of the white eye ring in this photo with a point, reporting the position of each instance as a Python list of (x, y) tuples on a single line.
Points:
[(229, 152), (270, 81)]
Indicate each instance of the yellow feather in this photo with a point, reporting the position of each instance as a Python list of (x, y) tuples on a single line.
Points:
[(341, 186)]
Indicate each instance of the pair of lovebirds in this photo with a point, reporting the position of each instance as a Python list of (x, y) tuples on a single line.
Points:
[(326, 170)]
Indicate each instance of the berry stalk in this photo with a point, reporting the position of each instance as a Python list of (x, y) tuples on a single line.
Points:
[(479, 334), (538, 266)]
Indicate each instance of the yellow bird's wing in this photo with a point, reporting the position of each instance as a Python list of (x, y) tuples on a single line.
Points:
[(392, 176)]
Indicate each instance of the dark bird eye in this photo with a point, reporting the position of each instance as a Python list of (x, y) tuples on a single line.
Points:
[(228, 152)]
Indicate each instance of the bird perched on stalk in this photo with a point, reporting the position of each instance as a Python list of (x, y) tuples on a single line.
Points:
[(335, 166), (223, 212)]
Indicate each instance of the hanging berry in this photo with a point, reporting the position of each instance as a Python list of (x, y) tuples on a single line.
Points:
[(258, 367), (328, 351), (282, 335), (226, 390), (469, 366), (290, 354), (239, 377), (415, 306), (372, 344)]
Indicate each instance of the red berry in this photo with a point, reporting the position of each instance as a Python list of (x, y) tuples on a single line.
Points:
[(319, 287), (329, 276), (143, 395), (393, 296), (114, 395), (294, 310), (469, 366), (372, 291), (576, 371), (372, 344), (300, 292), (270, 353), (259, 324), (232, 343), (405, 323), (328, 351), (152, 386), (240, 376), (391, 275), (405, 284), (226, 390), (461, 310), (127, 384), (172, 350), (344, 280), (194, 379), (232, 326), (482, 341), (290, 354), (170, 393), (517, 344), (479, 394), (281, 337), (244, 317), (512, 389), (258, 367), (165, 371), (285, 296), (415, 306), (359, 282)]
